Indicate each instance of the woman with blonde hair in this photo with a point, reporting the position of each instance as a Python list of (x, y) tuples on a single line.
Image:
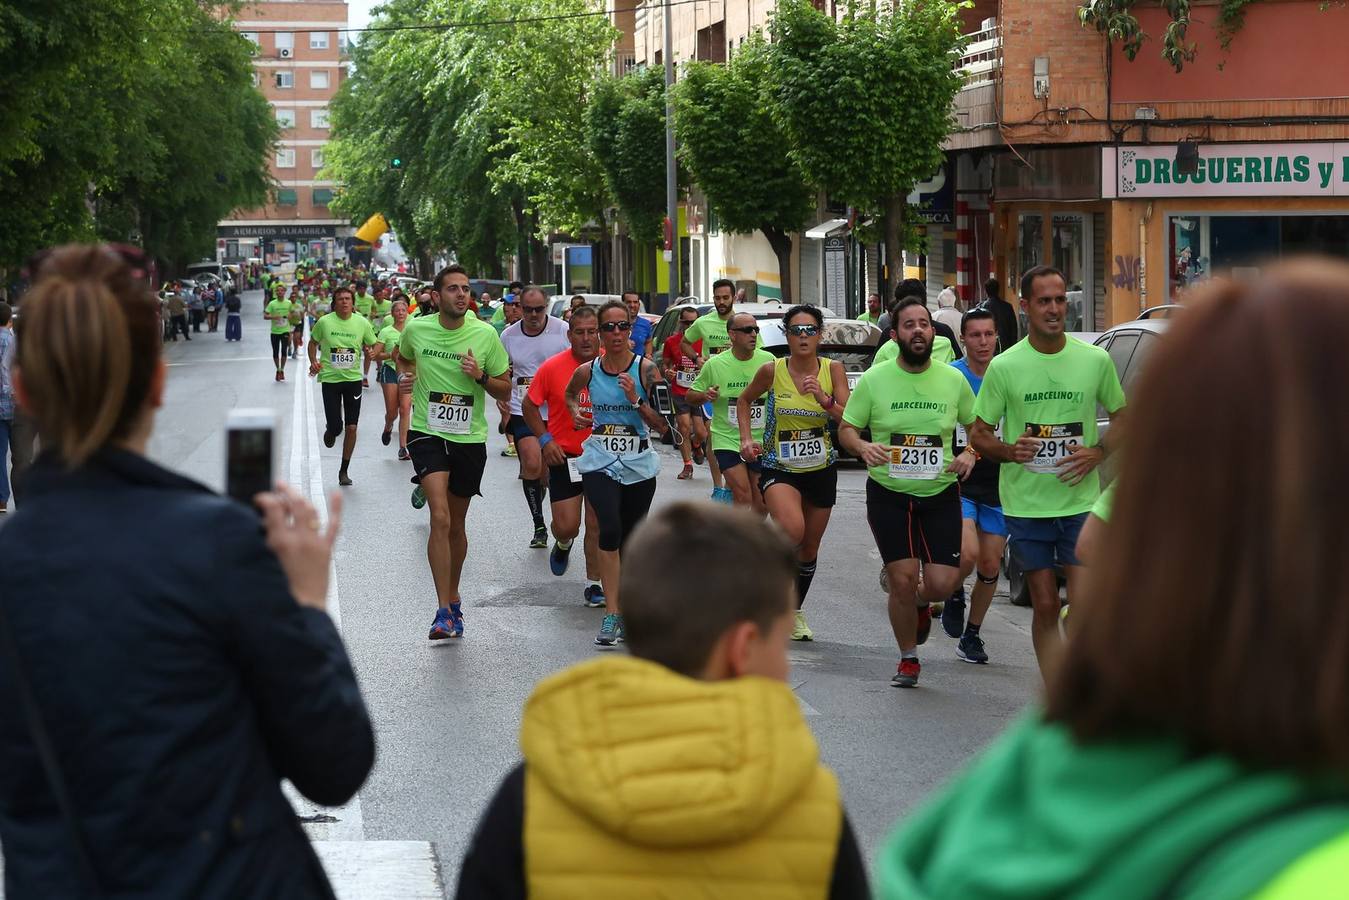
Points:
[(165, 656), (1194, 740)]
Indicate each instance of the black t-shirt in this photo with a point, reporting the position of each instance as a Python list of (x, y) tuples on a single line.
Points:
[(1004, 318)]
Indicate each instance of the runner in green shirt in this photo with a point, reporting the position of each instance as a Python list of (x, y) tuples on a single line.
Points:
[(721, 381), (873, 310), (1047, 388), (912, 406), (397, 404), (340, 337), (449, 363), (942, 351), (277, 312)]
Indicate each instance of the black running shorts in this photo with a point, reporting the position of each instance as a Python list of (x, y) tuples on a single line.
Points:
[(465, 462), (341, 403), (908, 527)]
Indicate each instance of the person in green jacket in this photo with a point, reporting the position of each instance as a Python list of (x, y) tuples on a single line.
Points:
[(1194, 737)]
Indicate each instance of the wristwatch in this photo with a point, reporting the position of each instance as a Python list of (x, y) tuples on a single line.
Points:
[(482, 379), (637, 404)]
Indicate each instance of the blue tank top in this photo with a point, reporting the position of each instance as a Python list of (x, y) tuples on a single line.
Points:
[(618, 444), (608, 402)]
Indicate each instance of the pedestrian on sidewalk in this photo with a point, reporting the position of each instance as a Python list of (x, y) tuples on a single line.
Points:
[(196, 307), (214, 300), (149, 762), (233, 318), (1209, 756), (177, 316), (686, 769)]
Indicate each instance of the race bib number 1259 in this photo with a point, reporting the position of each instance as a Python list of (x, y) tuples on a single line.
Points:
[(803, 449)]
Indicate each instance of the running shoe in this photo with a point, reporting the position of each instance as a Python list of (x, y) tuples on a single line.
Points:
[(907, 676), (971, 649), (509, 451), (329, 437), (343, 479), (281, 376), (924, 623), (686, 473), (698, 455), (611, 630), (558, 558), (594, 596), (365, 382), (801, 631), (418, 497), (386, 437), (441, 628), (953, 617), (403, 454), (723, 495), (277, 376), (456, 620), (540, 540)]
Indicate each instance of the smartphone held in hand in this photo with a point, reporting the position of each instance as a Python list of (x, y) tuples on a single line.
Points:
[(250, 453)]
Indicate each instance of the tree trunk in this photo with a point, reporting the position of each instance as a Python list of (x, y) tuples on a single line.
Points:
[(522, 232), (894, 247), (781, 242)]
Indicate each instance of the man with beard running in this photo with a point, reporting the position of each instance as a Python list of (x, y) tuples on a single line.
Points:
[(529, 342), (561, 441), (984, 529), (450, 362), (912, 406)]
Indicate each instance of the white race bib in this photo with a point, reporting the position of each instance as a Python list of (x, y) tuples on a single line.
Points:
[(685, 377), (803, 449), (963, 436), (1057, 442), (342, 358), (619, 440), (449, 413), (853, 378), (756, 414), (573, 473), (915, 456), (522, 386)]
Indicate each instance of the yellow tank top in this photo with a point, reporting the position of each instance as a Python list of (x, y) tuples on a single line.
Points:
[(796, 427)]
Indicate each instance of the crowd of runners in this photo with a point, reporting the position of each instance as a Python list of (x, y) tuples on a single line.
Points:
[(962, 454)]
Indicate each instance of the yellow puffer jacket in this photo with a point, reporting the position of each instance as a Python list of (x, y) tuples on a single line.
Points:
[(642, 783)]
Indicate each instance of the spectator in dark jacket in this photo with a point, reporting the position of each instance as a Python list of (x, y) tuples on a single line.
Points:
[(1004, 315), (175, 653)]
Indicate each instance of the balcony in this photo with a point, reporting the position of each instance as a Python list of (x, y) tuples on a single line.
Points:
[(624, 61), (976, 105)]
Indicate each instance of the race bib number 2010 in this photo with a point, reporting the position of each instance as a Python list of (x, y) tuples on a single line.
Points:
[(449, 413), (1057, 443)]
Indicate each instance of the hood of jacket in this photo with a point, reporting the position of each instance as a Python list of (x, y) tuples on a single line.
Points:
[(1042, 815), (666, 761)]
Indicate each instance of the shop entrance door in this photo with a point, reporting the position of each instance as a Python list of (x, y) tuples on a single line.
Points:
[(1071, 245)]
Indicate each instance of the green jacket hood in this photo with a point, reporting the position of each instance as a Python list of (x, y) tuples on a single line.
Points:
[(1042, 815)]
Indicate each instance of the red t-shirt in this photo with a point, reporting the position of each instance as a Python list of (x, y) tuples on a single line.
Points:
[(683, 365), (550, 387)]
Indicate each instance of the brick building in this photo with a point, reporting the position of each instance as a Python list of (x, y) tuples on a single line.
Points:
[(301, 60)]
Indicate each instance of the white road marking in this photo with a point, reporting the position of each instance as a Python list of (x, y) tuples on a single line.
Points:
[(223, 359), (371, 870)]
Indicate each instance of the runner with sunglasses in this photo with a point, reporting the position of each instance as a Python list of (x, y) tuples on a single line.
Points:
[(806, 398), (722, 379), (618, 466), (529, 342)]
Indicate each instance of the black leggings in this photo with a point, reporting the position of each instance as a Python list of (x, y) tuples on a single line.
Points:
[(619, 508), (280, 346)]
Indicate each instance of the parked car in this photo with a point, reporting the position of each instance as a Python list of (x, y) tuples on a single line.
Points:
[(558, 303), (761, 311), (1129, 345)]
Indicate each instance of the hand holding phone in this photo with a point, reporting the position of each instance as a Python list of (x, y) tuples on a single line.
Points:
[(250, 453)]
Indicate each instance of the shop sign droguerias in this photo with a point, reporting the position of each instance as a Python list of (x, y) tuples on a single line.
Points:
[(1228, 170)]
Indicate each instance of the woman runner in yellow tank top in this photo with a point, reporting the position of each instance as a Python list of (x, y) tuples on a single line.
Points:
[(799, 478)]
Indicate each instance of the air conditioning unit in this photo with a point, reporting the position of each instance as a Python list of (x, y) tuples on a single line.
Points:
[(285, 52)]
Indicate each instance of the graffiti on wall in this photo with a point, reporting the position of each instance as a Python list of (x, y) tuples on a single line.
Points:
[(1127, 272)]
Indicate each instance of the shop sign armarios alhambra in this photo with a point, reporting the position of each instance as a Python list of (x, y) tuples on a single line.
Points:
[(1228, 170)]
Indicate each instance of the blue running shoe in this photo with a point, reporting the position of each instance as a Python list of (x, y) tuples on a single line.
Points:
[(456, 620), (594, 596), (723, 495), (559, 556), (418, 497), (953, 615), (611, 631), (441, 627)]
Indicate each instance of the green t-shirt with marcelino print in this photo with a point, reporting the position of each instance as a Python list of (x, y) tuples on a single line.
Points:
[(340, 342), (280, 312), (731, 376), (1055, 395), (445, 401)]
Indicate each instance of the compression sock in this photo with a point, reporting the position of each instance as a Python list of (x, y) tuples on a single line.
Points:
[(805, 574), (534, 498), (971, 629)]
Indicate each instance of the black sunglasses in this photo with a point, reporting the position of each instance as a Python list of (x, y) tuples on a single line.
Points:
[(533, 309), (802, 330), (616, 326), (746, 329)]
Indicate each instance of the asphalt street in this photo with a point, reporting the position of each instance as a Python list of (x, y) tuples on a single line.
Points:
[(447, 714)]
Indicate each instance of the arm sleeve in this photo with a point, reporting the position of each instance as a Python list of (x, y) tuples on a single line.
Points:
[(538, 385), (990, 405), (850, 873), (494, 866), (295, 670), (405, 345), (318, 332), (497, 361), (858, 411), (705, 377), (965, 408), (694, 332), (369, 334)]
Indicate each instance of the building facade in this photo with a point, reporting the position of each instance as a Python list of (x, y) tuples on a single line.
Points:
[(300, 62)]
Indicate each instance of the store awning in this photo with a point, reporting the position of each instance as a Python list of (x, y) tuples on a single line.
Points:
[(827, 228)]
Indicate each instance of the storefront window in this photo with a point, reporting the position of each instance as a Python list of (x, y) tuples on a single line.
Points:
[(1072, 251), (1239, 245), (1030, 238), (1189, 254)]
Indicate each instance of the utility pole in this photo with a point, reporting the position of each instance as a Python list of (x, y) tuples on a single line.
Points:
[(671, 188)]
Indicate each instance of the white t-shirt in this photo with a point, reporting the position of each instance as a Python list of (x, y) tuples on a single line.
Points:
[(528, 352), (950, 317)]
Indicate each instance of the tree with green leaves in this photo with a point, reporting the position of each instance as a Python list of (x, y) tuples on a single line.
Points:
[(866, 102), (735, 149), (625, 128)]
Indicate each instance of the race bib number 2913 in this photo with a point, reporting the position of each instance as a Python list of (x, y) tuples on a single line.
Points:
[(1057, 443)]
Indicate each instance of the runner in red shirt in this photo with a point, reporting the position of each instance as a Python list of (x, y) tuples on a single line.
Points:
[(680, 372), (560, 442)]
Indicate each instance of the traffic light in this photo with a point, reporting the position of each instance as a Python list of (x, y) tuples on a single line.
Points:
[(396, 163)]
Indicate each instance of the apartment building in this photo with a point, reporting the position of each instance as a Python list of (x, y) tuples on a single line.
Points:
[(301, 60)]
